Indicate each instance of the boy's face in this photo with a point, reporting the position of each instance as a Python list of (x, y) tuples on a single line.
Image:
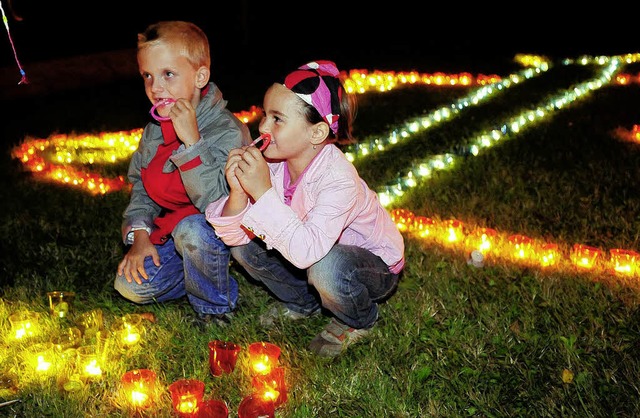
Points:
[(167, 74)]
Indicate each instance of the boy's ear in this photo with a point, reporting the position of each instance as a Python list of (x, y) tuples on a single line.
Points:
[(320, 132), (202, 77)]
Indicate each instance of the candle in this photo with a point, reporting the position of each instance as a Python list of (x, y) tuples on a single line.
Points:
[(623, 261), (256, 406), (452, 231), (60, 303), (548, 254), (272, 386), (24, 324), (129, 330), (186, 396), (89, 362), (70, 338), (138, 386), (520, 247), (213, 408), (222, 357), (90, 323), (423, 226), (584, 256), (263, 357)]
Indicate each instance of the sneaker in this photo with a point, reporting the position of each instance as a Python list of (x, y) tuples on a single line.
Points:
[(335, 338), (279, 311)]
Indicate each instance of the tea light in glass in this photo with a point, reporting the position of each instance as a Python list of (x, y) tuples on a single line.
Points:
[(24, 324), (129, 330), (623, 261), (60, 303), (263, 357), (548, 254), (213, 408), (69, 338), (452, 231), (89, 362), (520, 247), (584, 256), (186, 396), (256, 406), (90, 323), (272, 386), (423, 226), (222, 357), (42, 358), (138, 386)]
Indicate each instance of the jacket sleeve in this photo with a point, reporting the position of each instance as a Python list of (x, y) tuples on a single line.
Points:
[(228, 228), (141, 210), (202, 165)]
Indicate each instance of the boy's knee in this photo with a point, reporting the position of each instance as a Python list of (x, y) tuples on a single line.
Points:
[(122, 286)]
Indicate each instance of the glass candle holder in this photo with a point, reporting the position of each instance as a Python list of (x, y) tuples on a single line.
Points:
[(128, 330), (24, 324), (213, 408), (186, 396), (623, 261), (69, 338), (424, 227), (520, 247), (90, 323), (60, 303), (222, 357), (584, 256), (452, 231), (42, 358), (256, 406), (138, 386), (89, 362), (271, 386), (263, 357)]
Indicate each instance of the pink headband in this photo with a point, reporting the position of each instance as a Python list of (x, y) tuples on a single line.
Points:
[(317, 83)]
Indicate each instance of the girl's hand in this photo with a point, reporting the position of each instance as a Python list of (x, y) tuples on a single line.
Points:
[(132, 265), (252, 172)]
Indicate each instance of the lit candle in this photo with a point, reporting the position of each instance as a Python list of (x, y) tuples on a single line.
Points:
[(24, 324), (272, 386), (129, 330), (584, 256), (623, 261), (423, 226), (548, 254), (520, 247), (263, 356), (138, 386), (186, 396), (452, 231), (89, 361), (403, 219), (483, 240)]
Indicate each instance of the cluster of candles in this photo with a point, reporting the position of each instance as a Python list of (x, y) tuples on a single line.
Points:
[(515, 248), (77, 354), (187, 395)]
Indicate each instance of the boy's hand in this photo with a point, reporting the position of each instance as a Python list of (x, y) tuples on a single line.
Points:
[(132, 265), (183, 117)]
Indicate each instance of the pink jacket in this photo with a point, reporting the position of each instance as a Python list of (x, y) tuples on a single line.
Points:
[(332, 204)]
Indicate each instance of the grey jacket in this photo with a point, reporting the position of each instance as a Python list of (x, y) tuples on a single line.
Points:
[(220, 132)]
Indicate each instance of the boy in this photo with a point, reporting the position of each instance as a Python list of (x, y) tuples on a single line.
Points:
[(176, 171)]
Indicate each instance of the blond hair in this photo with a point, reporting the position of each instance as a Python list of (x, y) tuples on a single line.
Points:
[(194, 44)]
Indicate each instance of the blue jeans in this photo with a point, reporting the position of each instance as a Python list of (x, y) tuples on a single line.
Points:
[(348, 281), (195, 263)]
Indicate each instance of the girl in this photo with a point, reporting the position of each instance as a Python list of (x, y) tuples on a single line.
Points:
[(301, 220)]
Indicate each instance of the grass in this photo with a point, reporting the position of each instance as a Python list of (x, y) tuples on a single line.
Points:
[(454, 341)]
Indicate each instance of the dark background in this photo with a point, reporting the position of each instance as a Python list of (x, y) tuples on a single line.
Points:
[(81, 54)]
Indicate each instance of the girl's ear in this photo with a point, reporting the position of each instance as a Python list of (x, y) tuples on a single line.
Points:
[(319, 132), (202, 77)]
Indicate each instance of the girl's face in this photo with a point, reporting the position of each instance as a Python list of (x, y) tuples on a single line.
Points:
[(167, 74), (283, 119)]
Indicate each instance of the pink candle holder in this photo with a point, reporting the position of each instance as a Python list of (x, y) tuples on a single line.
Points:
[(222, 357), (186, 396), (139, 386), (256, 406), (213, 408), (272, 386), (263, 357)]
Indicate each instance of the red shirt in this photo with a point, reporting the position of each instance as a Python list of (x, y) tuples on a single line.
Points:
[(166, 189)]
